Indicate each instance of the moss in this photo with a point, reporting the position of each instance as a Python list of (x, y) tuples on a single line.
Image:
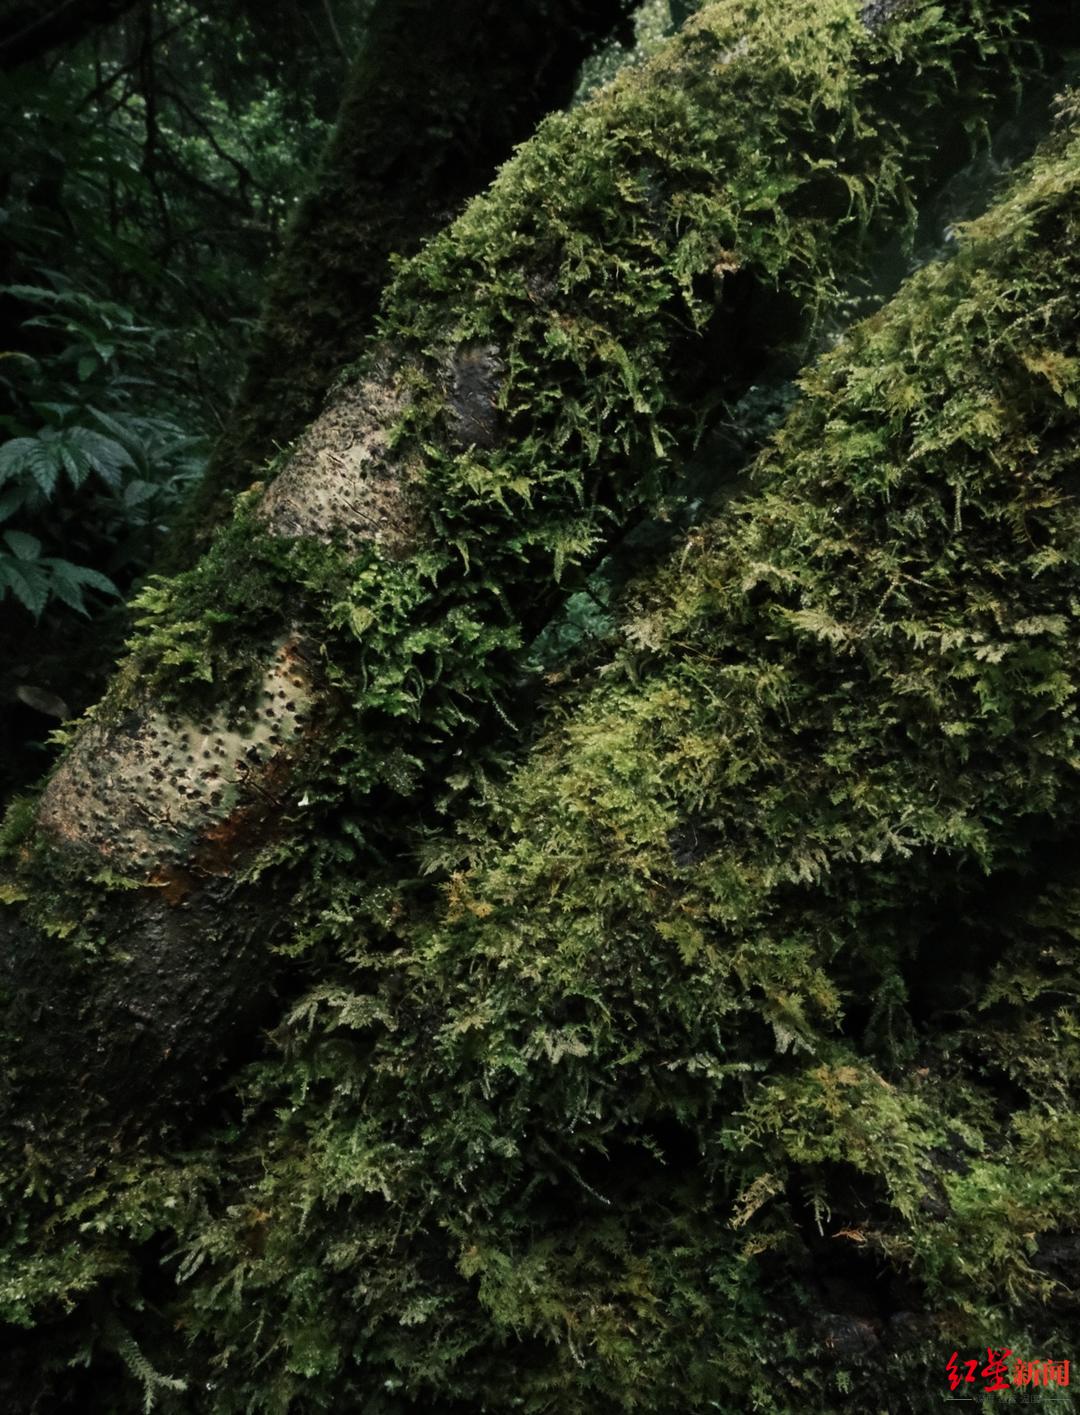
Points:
[(697, 1092), (738, 1064), (575, 314), (742, 1062), (18, 823), (551, 1128), (604, 306)]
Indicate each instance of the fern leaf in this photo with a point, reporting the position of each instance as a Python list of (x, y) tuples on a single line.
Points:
[(22, 546), (27, 581)]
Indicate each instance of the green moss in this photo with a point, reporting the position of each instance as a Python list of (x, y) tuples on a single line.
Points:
[(601, 268), (740, 1061), (754, 1026), (751, 1027), (422, 128), (18, 823), (653, 1104)]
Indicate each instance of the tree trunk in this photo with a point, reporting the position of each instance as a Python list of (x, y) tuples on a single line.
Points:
[(338, 671), (740, 1064), (437, 98)]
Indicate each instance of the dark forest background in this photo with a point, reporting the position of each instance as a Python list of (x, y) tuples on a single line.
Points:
[(151, 162)]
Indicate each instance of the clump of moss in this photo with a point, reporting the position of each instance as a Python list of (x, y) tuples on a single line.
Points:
[(422, 128), (744, 1056)]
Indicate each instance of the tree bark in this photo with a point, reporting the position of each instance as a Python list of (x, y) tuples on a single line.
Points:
[(437, 98), (344, 656)]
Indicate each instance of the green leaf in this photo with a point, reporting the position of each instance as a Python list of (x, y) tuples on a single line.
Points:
[(56, 411), (44, 464), (136, 492), (26, 581), (107, 456), (126, 432), (14, 455), (75, 463), (65, 573), (22, 546), (11, 501), (68, 593)]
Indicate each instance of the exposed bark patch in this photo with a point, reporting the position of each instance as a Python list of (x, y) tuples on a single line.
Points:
[(155, 794), (876, 13), (342, 479), (475, 377), (102, 1048)]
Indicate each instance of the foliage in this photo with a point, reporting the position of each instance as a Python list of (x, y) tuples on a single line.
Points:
[(652, 23), (148, 175), (33, 578), (145, 188), (76, 428)]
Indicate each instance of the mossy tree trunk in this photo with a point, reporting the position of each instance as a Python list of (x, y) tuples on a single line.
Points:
[(515, 1120), (341, 671), (437, 97), (738, 1061), (334, 673), (738, 1064)]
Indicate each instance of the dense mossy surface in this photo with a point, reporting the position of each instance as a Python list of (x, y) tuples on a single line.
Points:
[(740, 1062), (741, 1058), (557, 351), (552, 357), (725, 1058)]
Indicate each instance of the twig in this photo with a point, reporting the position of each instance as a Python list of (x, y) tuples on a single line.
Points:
[(334, 29)]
